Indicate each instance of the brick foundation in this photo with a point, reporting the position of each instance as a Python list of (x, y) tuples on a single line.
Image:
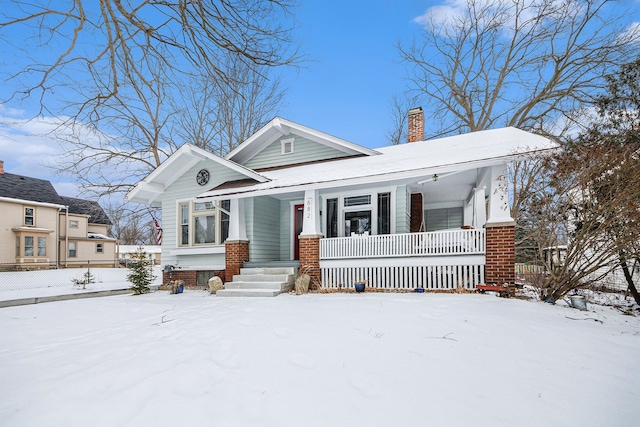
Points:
[(310, 257), (236, 252), (501, 254), (189, 277), (416, 212)]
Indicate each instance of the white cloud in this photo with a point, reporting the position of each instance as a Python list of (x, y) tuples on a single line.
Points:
[(29, 146)]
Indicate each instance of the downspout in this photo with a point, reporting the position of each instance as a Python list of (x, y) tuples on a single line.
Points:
[(58, 240), (66, 237)]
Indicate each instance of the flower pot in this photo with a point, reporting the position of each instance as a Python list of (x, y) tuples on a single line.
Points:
[(579, 302), (359, 287)]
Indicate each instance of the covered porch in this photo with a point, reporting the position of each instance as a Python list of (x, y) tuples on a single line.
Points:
[(429, 231)]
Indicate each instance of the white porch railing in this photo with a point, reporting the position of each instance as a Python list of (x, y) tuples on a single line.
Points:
[(447, 242), (448, 259)]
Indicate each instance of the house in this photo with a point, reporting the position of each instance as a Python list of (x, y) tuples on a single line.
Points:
[(126, 253), (41, 227), (431, 214)]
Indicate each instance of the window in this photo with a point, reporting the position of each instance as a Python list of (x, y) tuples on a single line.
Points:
[(443, 219), (184, 224), (384, 213), (73, 250), (359, 214), (204, 223), (73, 224), (29, 216), (225, 206), (286, 146), (42, 246), (17, 246), (99, 248), (28, 246), (332, 218)]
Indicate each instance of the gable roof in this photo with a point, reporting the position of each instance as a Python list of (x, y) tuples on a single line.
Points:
[(87, 207), (150, 189), (26, 188), (402, 162), (279, 127)]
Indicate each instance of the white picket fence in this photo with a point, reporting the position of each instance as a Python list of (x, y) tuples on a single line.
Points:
[(448, 259)]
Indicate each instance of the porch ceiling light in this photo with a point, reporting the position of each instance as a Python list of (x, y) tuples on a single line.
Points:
[(435, 177)]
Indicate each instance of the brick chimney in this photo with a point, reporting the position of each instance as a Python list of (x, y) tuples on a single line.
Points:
[(1, 167), (416, 125)]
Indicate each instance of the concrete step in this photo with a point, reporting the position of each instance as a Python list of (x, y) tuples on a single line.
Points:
[(281, 286), (264, 278), (248, 293), (268, 270)]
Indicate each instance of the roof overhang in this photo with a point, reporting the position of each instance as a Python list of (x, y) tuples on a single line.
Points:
[(150, 189), (420, 160)]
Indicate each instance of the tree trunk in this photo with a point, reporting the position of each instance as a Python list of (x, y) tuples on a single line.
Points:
[(627, 275)]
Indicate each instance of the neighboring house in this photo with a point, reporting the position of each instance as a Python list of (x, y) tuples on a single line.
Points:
[(431, 214), (41, 227), (126, 252)]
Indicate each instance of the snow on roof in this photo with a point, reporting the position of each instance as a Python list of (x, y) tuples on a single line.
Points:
[(460, 152)]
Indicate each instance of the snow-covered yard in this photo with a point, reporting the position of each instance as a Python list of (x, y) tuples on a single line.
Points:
[(317, 360)]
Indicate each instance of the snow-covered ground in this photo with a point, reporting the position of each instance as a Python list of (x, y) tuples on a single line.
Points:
[(194, 359), (45, 283)]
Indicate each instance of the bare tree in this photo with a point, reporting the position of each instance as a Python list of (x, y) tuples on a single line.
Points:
[(588, 204), (398, 109), (522, 63), (116, 38), (130, 224), (219, 115)]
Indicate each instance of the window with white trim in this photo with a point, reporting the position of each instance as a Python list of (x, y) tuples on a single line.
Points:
[(28, 245), (358, 214), (73, 250), (73, 223), (99, 248), (29, 216), (286, 145), (443, 219), (203, 223), (42, 246)]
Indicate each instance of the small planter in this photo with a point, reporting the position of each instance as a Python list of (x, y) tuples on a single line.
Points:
[(419, 290), (360, 286), (579, 302)]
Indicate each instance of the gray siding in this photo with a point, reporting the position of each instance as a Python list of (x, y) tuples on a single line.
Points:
[(304, 151), (403, 209), (183, 188), (263, 228)]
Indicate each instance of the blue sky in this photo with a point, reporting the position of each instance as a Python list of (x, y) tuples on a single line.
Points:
[(345, 89)]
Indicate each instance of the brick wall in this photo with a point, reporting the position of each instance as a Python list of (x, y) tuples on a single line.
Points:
[(189, 277), (310, 257), (501, 255), (236, 253), (416, 212)]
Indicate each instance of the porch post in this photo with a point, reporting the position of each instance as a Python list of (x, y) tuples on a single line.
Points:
[(310, 238), (499, 196), (479, 207), (236, 249), (500, 231)]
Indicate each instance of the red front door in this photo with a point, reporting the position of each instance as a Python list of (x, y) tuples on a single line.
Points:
[(298, 215)]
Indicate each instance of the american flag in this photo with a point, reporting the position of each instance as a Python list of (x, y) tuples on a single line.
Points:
[(158, 231)]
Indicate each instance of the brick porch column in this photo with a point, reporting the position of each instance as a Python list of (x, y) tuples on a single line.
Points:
[(310, 257), (236, 252), (501, 253)]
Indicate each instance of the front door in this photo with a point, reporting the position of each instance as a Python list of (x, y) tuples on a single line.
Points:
[(298, 215)]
